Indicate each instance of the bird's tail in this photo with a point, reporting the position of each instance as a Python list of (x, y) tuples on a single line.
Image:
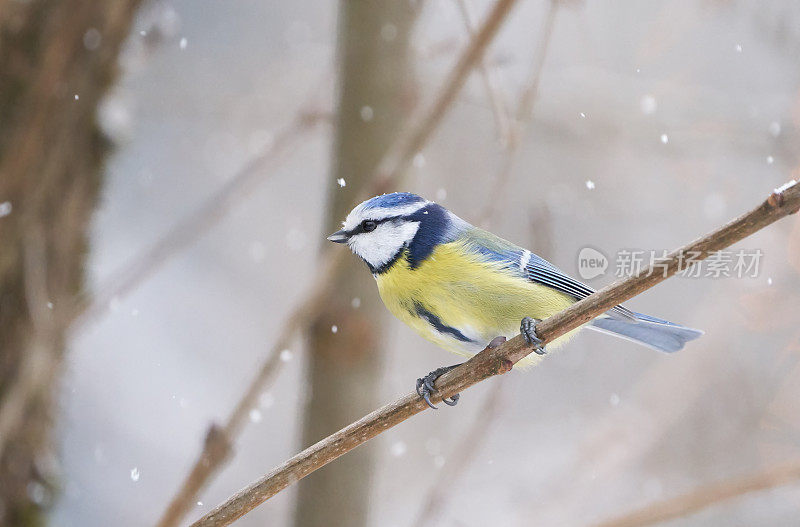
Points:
[(649, 331)]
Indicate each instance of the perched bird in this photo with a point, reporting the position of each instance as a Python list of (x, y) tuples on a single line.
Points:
[(460, 287)]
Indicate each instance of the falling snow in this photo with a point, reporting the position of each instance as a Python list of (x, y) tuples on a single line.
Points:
[(399, 449), (286, 355), (116, 116), (770, 160), (433, 446), (255, 415), (614, 399), (590, 184), (37, 492), (135, 474), (258, 251), (266, 400), (334, 329), (5, 208), (341, 182), (366, 113), (738, 48), (664, 138), (92, 39), (355, 303), (583, 115), (295, 239), (184, 43), (775, 128), (441, 194), (769, 281), (114, 304), (648, 104), (419, 161), (77, 97)]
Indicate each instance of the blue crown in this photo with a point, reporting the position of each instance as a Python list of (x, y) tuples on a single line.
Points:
[(395, 199)]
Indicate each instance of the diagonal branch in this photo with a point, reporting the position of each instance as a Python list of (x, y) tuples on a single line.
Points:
[(399, 158), (389, 173), (707, 496), (524, 114), (460, 460), (499, 109), (190, 228), (498, 360)]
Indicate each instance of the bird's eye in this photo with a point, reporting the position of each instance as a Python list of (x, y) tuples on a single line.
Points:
[(368, 225)]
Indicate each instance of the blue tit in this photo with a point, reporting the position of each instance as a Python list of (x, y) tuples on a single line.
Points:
[(460, 287)]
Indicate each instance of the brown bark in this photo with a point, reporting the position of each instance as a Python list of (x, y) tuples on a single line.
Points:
[(374, 96), (50, 155)]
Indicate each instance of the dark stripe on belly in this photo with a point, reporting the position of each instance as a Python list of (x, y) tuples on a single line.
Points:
[(437, 324)]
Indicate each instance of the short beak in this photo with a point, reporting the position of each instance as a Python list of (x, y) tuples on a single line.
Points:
[(338, 237)]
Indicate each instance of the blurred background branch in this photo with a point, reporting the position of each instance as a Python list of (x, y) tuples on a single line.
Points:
[(87, 308), (523, 115), (703, 497)]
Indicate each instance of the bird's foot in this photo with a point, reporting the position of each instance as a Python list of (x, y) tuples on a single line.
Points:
[(528, 329), (425, 387)]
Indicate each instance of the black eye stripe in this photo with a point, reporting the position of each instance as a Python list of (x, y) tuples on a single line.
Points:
[(358, 229)]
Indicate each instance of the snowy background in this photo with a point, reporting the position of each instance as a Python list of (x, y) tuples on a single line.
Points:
[(600, 428)]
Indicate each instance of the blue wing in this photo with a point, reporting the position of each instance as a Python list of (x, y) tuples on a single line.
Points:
[(531, 266)]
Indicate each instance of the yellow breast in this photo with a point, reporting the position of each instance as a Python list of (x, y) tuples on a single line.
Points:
[(479, 298)]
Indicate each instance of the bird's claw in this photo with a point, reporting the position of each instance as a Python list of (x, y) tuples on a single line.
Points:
[(425, 387), (528, 329)]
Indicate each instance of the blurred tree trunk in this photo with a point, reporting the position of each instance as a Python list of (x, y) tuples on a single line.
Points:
[(375, 94), (57, 58)]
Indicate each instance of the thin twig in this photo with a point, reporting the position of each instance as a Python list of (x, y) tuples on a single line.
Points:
[(219, 439), (391, 169), (40, 362), (498, 360), (399, 158), (499, 109), (524, 113), (196, 223), (462, 458), (703, 497)]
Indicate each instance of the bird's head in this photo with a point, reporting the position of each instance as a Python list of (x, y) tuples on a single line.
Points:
[(380, 229)]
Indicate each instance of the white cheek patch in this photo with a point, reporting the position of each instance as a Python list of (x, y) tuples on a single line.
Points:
[(378, 247)]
